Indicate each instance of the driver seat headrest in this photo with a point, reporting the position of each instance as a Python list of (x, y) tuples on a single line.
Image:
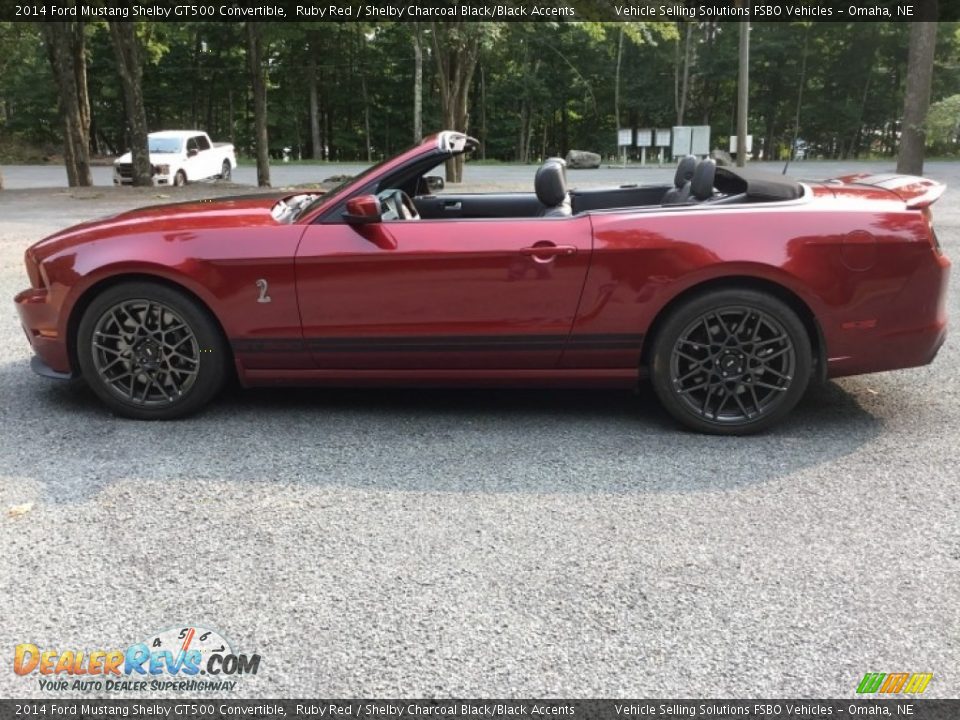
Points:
[(685, 169)]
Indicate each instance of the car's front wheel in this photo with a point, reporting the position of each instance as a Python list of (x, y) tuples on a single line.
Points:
[(731, 362), (150, 352), (180, 179)]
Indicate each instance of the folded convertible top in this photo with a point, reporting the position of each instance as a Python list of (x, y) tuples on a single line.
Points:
[(758, 185)]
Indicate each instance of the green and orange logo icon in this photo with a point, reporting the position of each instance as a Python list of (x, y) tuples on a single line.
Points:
[(891, 683)]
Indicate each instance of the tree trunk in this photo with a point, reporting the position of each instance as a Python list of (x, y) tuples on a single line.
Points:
[(456, 47), (681, 80), (743, 93), (126, 46), (616, 84), (366, 116), (259, 81), (483, 115), (66, 52), (316, 147), (417, 84), (916, 101)]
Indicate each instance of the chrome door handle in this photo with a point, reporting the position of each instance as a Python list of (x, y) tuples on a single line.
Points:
[(452, 205), (549, 250)]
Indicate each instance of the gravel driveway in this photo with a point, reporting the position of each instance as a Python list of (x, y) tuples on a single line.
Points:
[(478, 543)]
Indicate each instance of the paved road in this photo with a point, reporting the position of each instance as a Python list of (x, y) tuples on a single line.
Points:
[(384, 543)]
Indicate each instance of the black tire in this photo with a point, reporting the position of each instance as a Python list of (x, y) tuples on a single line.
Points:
[(180, 179), (226, 172), (159, 355), (729, 345)]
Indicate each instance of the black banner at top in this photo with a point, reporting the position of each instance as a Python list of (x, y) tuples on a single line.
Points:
[(484, 10)]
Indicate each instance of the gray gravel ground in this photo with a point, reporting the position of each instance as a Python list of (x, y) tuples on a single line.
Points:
[(477, 543)]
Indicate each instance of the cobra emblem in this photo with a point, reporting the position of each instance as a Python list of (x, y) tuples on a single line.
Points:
[(262, 287)]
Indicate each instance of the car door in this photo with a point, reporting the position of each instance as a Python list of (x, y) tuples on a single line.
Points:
[(207, 162), (191, 163), (196, 158), (431, 294)]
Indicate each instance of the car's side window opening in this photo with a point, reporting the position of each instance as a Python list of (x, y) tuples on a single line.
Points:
[(202, 142)]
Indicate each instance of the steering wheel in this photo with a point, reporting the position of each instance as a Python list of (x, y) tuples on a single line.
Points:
[(397, 205)]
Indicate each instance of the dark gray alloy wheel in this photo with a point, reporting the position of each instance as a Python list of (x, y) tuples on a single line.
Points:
[(226, 171), (732, 362), (149, 352)]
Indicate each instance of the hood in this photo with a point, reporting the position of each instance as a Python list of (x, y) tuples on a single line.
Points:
[(155, 158), (172, 221)]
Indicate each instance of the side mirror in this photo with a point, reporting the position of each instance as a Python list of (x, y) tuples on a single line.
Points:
[(362, 210), (434, 183), (192, 152)]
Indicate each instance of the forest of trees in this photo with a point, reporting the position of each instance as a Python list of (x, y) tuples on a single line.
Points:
[(362, 91)]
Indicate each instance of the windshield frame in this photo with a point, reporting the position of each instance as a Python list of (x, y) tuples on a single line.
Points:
[(342, 185)]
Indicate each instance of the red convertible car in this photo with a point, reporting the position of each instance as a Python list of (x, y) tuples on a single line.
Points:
[(730, 289)]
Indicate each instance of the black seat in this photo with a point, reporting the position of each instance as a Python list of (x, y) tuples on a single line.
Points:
[(550, 184), (701, 186), (680, 192)]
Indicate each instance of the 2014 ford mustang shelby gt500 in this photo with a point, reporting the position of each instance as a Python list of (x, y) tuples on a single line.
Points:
[(731, 289)]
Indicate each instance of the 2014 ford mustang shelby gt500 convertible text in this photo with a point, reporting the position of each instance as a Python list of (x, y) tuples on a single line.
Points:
[(731, 289)]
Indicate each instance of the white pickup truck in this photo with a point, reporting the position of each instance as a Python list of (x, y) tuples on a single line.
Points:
[(180, 156)]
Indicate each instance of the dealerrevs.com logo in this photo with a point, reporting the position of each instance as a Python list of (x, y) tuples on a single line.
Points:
[(187, 659)]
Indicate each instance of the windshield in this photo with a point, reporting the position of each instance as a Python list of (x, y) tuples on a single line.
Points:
[(165, 144), (340, 186)]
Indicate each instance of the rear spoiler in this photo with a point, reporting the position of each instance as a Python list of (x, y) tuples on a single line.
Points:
[(916, 192)]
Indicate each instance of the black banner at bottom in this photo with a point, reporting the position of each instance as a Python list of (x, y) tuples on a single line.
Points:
[(212, 709)]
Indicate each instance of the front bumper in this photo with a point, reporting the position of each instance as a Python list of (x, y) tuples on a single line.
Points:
[(40, 324), (44, 370)]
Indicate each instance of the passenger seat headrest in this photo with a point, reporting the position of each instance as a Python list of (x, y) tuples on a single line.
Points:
[(701, 186), (550, 183), (561, 162), (685, 169)]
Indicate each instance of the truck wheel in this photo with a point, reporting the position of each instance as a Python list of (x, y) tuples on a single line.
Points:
[(150, 352), (226, 171), (180, 179)]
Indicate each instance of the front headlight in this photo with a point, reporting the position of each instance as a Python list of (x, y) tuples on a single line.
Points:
[(38, 278), (161, 169)]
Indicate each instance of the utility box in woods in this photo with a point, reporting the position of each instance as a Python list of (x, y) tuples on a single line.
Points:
[(700, 140), (691, 140), (682, 136), (733, 144)]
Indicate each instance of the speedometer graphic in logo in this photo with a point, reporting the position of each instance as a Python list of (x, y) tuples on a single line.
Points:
[(198, 643)]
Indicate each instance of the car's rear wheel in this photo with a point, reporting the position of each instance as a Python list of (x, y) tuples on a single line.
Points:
[(731, 362), (150, 352), (226, 171), (180, 179)]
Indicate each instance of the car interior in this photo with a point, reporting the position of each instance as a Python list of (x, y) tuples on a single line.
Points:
[(696, 182)]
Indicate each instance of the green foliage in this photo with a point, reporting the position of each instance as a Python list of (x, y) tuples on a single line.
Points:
[(540, 88), (943, 125)]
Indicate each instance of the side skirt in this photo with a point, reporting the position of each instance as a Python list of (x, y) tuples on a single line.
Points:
[(578, 377)]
